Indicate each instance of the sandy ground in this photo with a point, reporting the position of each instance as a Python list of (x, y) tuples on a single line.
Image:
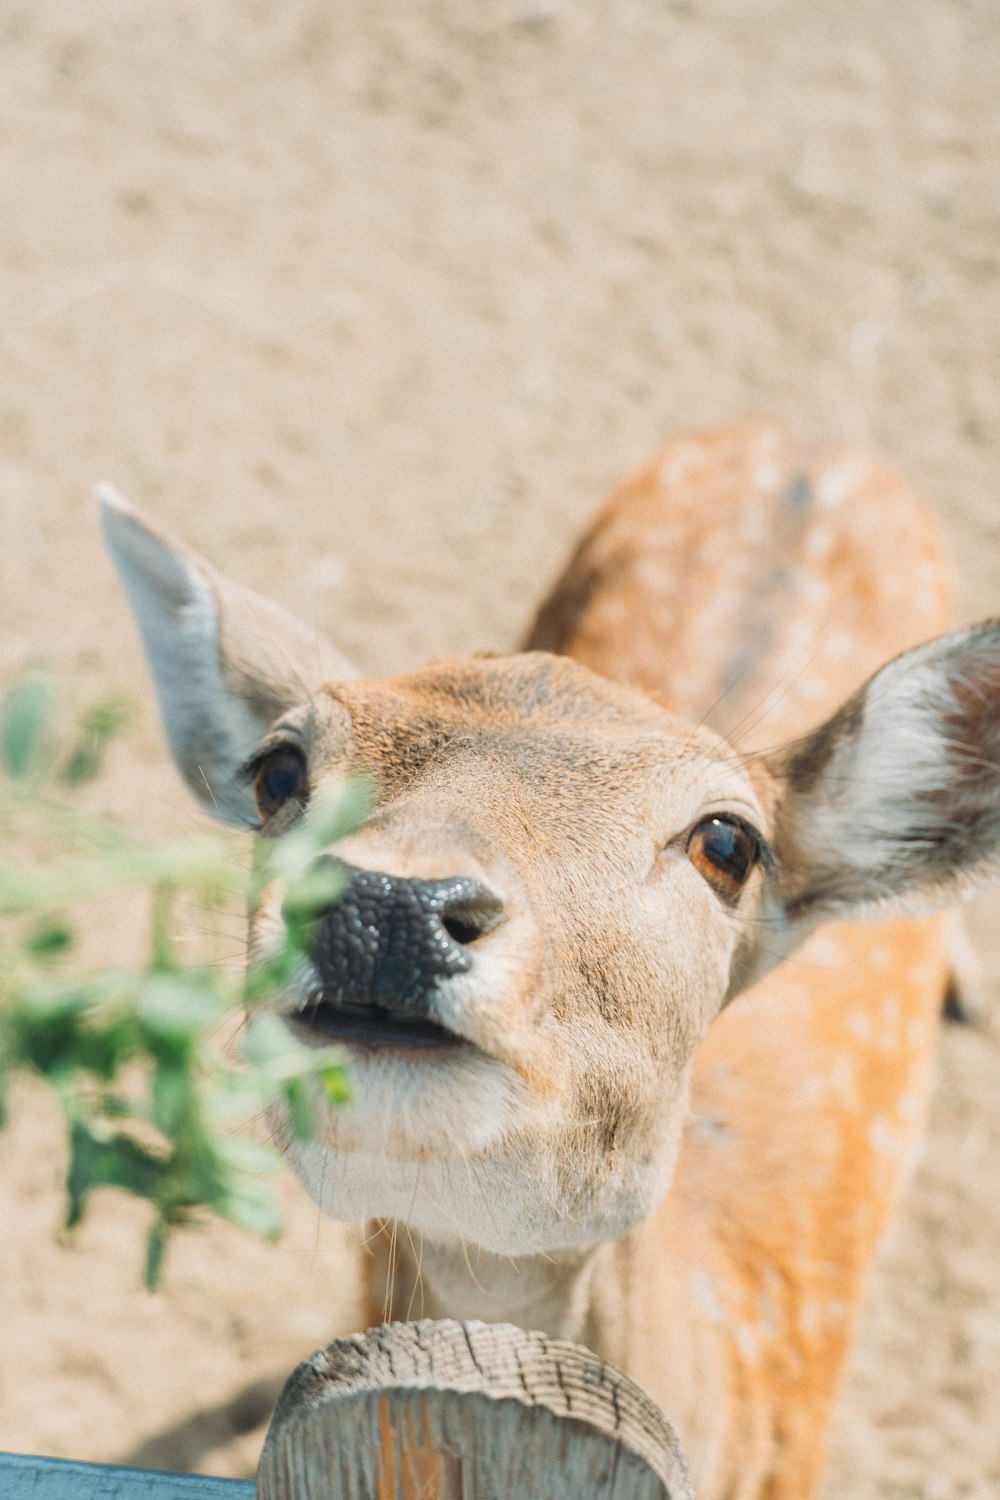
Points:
[(373, 303)]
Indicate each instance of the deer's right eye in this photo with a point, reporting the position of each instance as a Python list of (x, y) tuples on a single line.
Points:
[(280, 776), (724, 851)]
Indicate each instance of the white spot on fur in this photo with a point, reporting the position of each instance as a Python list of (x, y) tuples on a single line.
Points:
[(769, 1318), (704, 1288), (884, 1138), (891, 1010), (799, 641), (613, 612), (814, 588), (837, 485), (767, 475), (842, 1081), (859, 1024), (824, 949), (811, 1318), (678, 463), (819, 543), (753, 525), (839, 645), (651, 574), (746, 1341)]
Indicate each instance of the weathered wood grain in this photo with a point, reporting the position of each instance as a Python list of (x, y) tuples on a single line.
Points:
[(466, 1411)]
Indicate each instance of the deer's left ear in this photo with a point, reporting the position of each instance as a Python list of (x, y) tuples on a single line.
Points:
[(225, 661), (893, 805)]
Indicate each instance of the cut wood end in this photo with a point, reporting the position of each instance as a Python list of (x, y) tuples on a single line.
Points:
[(446, 1409)]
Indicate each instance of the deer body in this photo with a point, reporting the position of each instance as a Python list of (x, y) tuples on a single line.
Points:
[(574, 1134), (754, 587), (748, 587)]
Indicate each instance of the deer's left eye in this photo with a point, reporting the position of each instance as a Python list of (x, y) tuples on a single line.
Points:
[(724, 850), (280, 776)]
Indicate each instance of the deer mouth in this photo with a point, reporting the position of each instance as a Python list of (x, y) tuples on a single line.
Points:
[(324, 1019)]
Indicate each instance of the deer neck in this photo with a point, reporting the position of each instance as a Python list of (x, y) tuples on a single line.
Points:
[(580, 1294), (628, 1300)]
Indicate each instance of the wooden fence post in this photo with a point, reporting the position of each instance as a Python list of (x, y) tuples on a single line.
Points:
[(466, 1411)]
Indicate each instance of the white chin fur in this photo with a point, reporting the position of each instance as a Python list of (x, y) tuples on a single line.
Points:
[(430, 1142), (446, 1104), (509, 1204), (470, 1156)]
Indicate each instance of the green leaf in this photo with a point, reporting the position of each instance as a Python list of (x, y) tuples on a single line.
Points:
[(49, 939), (105, 1159), (276, 1053), (26, 726), (253, 1206), (156, 1249), (267, 1040), (309, 894), (63, 1030), (335, 1084), (331, 815), (335, 814), (144, 1085), (107, 718), (301, 1109), (99, 724), (84, 763), (178, 1007), (303, 1074), (271, 976), (245, 1155), (172, 1102)]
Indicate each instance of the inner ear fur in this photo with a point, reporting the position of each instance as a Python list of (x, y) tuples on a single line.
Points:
[(893, 805), (226, 662)]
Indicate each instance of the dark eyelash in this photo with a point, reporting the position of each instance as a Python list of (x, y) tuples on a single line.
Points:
[(766, 856), (248, 770)]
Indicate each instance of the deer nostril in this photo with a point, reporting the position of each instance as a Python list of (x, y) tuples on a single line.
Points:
[(461, 931), (471, 917)]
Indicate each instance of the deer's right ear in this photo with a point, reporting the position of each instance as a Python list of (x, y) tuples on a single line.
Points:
[(893, 805), (226, 662)]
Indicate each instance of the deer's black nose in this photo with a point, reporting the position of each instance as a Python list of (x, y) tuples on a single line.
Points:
[(391, 941)]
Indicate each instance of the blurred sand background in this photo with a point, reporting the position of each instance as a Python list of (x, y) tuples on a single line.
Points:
[(372, 303)]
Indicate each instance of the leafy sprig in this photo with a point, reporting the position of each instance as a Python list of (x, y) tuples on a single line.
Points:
[(154, 1102)]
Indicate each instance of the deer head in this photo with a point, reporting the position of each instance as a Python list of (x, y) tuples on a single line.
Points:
[(560, 885)]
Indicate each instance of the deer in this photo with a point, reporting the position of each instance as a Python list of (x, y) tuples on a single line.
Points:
[(640, 960)]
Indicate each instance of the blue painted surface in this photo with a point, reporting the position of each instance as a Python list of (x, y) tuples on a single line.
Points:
[(26, 1478)]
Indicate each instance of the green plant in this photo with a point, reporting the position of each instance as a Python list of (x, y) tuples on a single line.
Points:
[(154, 1103)]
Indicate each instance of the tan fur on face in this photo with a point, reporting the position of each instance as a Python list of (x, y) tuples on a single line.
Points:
[(584, 1020)]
